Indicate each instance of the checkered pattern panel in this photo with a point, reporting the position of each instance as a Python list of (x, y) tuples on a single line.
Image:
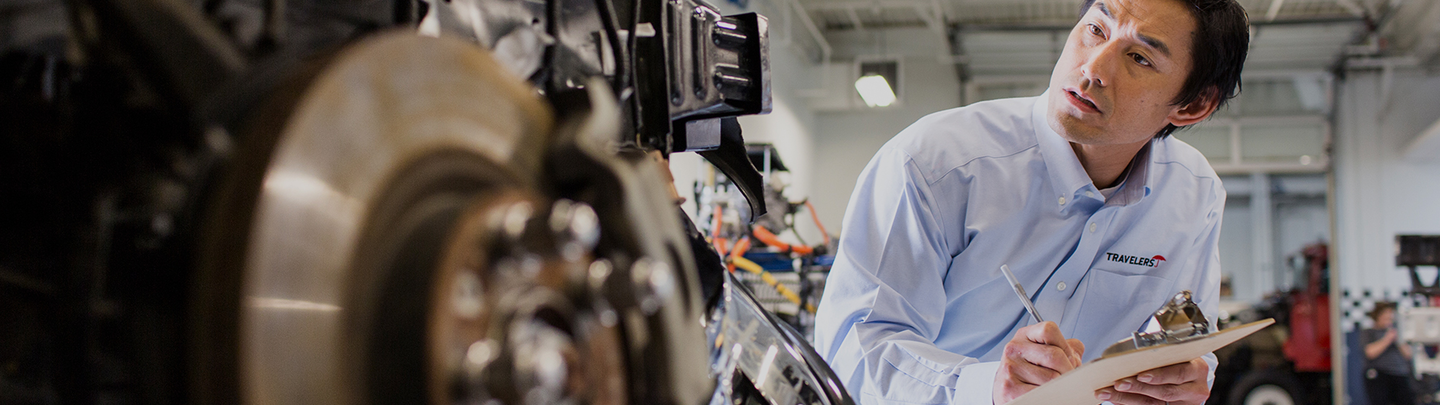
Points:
[(1357, 303)]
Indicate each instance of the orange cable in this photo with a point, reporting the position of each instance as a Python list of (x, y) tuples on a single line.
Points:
[(769, 238), (741, 246), (715, 222), (816, 217)]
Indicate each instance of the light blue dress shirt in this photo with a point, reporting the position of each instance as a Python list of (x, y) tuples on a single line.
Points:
[(916, 310)]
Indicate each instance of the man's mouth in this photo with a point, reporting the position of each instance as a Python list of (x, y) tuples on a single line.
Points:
[(1076, 98)]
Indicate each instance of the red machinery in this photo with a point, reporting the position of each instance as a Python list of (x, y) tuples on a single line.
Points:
[(1309, 343), (1288, 363)]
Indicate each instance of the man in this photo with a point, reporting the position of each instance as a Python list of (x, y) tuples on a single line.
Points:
[(1081, 191)]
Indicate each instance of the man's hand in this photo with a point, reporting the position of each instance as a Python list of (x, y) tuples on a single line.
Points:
[(1037, 354), (1182, 383)]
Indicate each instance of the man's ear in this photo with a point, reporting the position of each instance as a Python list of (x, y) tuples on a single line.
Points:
[(1197, 110)]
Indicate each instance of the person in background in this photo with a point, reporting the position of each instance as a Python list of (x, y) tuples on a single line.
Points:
[(1387, 361)]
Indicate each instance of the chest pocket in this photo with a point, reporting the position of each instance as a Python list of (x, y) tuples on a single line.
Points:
[(1120, 301)]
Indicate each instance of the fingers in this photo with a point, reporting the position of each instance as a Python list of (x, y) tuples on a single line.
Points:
[(1008, 386), (1049, 333), (1024, 370), (1182, 383), (1125, 398), (1078, 347), (1042, 345), (1192, 370), (1128, 391), (1035, 355)]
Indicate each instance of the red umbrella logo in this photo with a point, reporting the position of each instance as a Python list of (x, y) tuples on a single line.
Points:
[(1159, 258)]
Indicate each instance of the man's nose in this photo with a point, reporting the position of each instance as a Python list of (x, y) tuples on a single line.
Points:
[(1098, 69)]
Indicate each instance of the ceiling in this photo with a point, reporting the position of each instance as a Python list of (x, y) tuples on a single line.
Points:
[(1018, 37), (868, 14)]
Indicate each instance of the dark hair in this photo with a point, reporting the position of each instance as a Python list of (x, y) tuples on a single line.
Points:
[(1380, 307), (1222, 38)]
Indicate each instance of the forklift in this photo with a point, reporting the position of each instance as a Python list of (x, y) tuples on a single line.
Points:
[(1288, 363)]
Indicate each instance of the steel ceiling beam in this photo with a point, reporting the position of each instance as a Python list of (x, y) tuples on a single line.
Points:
[(1274, 9), (870, 4), (855, 18)]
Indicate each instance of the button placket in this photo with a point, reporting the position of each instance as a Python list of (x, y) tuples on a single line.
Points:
[(1074, 268)]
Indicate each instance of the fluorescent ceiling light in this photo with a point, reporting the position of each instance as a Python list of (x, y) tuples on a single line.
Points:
[(875, 91)]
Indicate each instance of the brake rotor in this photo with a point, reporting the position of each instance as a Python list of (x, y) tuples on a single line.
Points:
[(334, 213)]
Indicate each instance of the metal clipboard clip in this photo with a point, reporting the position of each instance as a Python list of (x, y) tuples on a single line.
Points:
[(1177, 321)]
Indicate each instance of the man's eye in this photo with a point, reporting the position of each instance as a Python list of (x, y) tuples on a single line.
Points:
[(1095, 30), (1140, 59)]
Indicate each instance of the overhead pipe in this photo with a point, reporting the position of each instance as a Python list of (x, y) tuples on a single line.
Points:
[(825, 51)]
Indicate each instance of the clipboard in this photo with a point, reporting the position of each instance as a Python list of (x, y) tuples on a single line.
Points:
[(1078, 386)]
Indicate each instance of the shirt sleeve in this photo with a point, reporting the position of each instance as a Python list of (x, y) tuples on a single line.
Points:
[(1368, 336), (1207, 271), (885, 301)]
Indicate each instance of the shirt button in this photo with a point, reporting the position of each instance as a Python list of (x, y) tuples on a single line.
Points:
[(1062, 200), (1089, 193), (1060, 286), (1092, 227)]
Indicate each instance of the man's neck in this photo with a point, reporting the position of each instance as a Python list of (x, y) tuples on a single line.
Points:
[(1105, 163)]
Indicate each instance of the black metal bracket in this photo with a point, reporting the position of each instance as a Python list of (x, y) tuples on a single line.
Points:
[(693, 64), (732, 158), (1413, 251)]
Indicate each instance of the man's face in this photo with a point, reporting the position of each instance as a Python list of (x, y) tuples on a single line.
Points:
[(1123, 65)]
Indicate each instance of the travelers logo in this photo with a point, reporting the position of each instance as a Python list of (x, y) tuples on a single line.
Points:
[(1152, 261)]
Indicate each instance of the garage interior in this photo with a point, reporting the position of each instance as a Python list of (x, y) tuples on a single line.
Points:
[(404, 201)]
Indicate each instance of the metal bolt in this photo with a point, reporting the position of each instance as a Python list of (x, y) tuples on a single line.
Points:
[(161, 224), (479, 354), (655, 282), (576, 228), (608, 318), (540, 360), (467, 299), (218, 140), (599, 272), (515, 219), (531, 265)]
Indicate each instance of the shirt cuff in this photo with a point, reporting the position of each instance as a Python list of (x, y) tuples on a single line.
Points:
[(976, 384)]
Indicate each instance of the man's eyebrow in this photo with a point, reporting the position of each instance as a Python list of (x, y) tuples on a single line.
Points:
[(1148, 40), (1104, 10), (1155, 43)]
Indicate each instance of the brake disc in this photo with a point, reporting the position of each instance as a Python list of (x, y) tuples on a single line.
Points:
[(386, 234), (331, 221)]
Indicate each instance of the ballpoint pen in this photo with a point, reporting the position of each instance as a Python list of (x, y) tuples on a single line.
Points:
[(1020, 291)]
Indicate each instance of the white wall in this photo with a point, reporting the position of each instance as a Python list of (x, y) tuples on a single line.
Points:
[(1379, 194), (847, 133)]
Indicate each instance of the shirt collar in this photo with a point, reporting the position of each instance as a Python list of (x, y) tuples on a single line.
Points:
[(1136, 183), (1066, 174)]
